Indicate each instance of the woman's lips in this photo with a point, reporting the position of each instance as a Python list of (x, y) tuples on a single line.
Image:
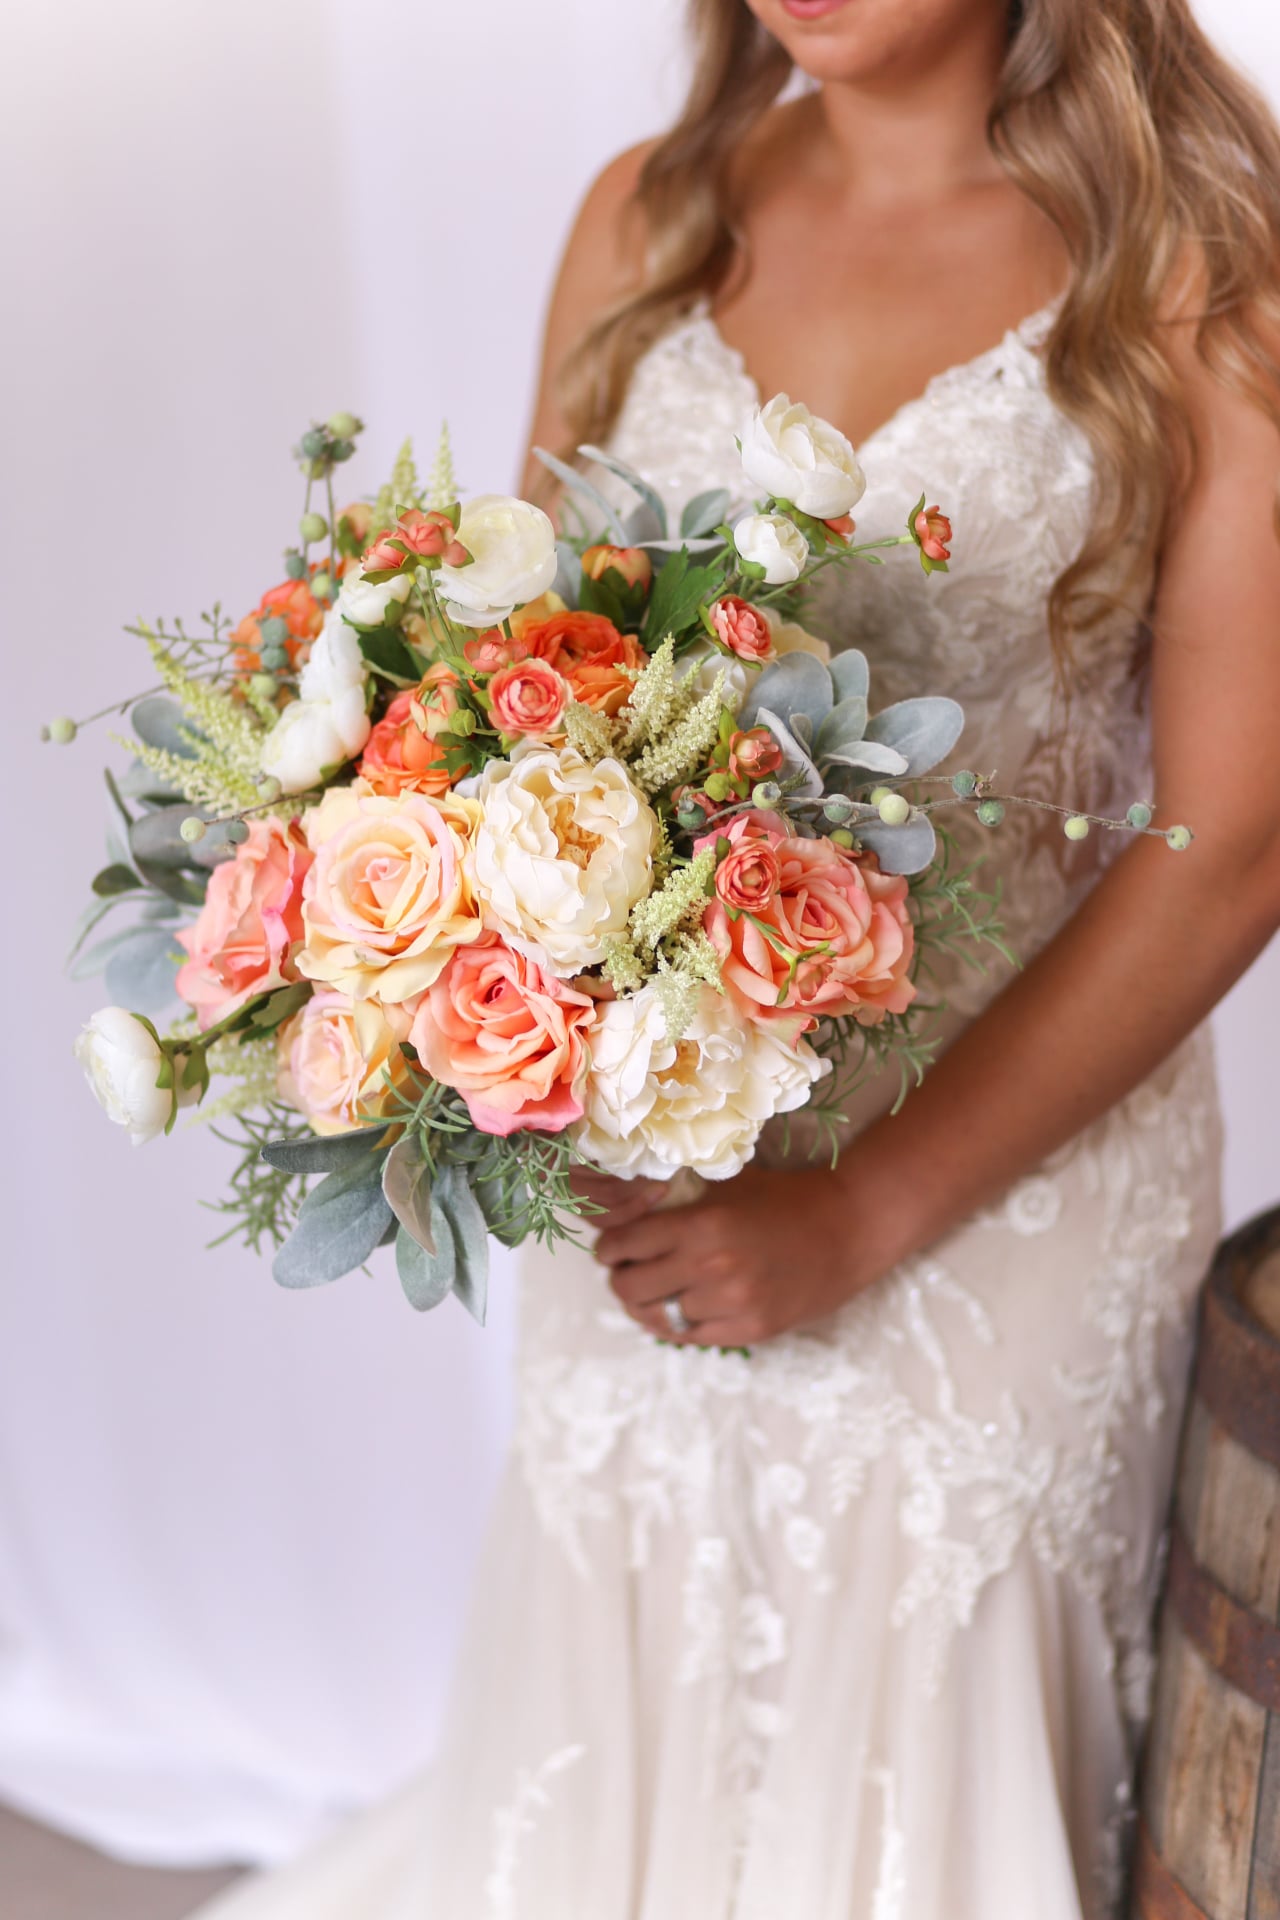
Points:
[(812, 9)]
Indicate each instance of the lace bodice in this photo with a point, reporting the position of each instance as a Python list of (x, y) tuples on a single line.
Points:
[(986, 441)]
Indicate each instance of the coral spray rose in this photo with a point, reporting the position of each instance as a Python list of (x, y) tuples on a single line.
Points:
[(241, 942), (754, 755), (435, 700), (742, 628), (632, 564), (490, 652), (527, 698), (836, 937), (400, 757), (932, 531), (510, 1037)]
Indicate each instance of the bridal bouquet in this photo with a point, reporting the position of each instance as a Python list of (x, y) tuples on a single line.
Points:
[(473, 854)]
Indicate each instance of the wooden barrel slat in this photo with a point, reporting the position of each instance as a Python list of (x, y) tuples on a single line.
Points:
[(1209, 1839)]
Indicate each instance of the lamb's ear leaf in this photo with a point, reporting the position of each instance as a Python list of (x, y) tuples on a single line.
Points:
[(851, 674), (870, 755), (923, 730), (567, 582), (652, 499), (462, 1210), (704, 512), (326, 1153), (426, 1274), (844, 725), (340, 1223), (796, 762), (406, 1184), (642, 524), (578, 482), (909, 848), (140, 972), (795, 684)]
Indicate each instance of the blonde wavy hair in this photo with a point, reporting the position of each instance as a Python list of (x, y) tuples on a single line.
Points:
[(1147, 150)]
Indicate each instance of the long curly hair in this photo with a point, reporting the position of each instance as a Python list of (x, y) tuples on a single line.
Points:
[(1125, 126)]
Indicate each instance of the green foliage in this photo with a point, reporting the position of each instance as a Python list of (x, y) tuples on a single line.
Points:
[(680, 588), (263, 1200)]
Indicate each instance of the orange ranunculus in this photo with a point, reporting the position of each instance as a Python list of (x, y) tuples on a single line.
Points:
[(294, 603), (603, 688), (400, 757), (568, 639)]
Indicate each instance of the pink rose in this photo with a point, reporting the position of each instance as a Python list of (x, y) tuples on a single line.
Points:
[(754, 754), (338, 1060), (508, 1036), (489, 652), (240, 945), (527, 698), (836, 938), (742, 628)]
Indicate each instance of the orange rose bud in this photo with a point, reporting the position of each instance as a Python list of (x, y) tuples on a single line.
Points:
[(844, 526), (633, 563)]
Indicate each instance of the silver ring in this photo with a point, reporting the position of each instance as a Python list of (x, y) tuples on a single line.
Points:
[(674, 1315)]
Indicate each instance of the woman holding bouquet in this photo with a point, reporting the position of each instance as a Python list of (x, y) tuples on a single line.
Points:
[(855, 1626)]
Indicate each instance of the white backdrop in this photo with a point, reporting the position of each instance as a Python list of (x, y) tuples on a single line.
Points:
[(236, 1524)]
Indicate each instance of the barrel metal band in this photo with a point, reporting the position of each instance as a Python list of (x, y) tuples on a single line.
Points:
[(1238, 1366), (1236, 1642), (1157, 1895)]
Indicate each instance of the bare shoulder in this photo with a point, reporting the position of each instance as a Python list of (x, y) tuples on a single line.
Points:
[(604, 255)]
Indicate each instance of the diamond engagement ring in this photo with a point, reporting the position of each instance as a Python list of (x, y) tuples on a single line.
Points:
[(674, 1315)]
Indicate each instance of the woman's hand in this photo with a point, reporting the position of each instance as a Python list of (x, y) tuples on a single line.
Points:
[(757, 1256)]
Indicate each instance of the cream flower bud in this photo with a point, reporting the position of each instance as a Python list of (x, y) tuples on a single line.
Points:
[(329, 724), (794, 456), (513, 560), (364, 602), (122, 1061), (773, 542)]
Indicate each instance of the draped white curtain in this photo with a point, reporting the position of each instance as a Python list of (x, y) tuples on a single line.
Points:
[(237, 1525)]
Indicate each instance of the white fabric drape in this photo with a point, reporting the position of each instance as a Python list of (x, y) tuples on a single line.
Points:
[(236, 1525)]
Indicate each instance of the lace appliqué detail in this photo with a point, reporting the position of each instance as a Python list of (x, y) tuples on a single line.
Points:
[(513, 1824)]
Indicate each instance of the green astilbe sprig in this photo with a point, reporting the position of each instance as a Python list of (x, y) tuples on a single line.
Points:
[(442, 484), (681, 750), (225, 738), (588, 731), (677, 906), (657, 699)]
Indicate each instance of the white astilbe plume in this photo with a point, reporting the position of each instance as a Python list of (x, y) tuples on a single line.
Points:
[(590, 732), (679, 752), (656, 700), (225, 738), (442, 487)]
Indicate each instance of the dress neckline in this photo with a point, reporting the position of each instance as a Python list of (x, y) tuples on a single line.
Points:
[(1025, 338)]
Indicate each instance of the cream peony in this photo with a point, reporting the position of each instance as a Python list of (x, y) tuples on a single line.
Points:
[(328, 724), (654, 1105), (788, 637), (775, 543), (121, 1060), (365, 602), (794, 456), (513, 549), (387, 898), (564, 851)]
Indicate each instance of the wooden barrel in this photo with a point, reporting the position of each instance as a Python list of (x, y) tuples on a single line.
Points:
[(1209, 1838)]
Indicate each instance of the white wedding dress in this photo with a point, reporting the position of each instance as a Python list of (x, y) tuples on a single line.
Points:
[(855, 1628)]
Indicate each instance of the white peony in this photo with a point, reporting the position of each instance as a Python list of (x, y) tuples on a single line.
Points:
[(121, 1061), (774, 543), (654, 1105), (562, 854), (704, 662), (329, 724), (793, 456), (365, 602), (513, 549)]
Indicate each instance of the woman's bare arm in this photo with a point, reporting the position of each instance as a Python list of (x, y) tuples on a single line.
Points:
[(1155, 946)]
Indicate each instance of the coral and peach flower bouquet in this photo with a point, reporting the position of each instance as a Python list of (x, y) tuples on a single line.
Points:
[(473, 854)]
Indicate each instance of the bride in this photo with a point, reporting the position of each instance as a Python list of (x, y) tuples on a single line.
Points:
[(856, 1626)]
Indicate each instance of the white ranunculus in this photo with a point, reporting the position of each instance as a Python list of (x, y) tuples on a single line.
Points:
[(654, 1105), (562, 854), (774, 543), (794, 456), (513, 549), (121, 1060), (329, 724), (365, 602), (703, 662)]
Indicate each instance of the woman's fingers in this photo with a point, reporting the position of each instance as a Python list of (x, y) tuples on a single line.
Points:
[(648, 1236)]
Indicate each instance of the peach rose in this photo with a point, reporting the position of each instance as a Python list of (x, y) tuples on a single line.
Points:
[(836, 938), (510, 1037), (527, 698), (241, 943), (742, 628), (435, 700), (333, 1059), (490, 652), (399, 756), (605, 689), (388, 897), (748, 877), (632, 563)]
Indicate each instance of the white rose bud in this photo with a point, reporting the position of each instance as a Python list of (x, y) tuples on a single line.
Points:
[(774, 543), (365, 602), (329, 724), (122, 1061), (513, 549), (795, 457)]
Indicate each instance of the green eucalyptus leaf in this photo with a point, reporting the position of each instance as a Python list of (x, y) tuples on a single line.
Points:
[(327, 1153), (340, 1223), (406, 1182), (909, 848), (160, 722), (115, 879)]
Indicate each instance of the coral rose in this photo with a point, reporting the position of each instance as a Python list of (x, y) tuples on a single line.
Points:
[(387, 898), (754, 754), (490, 652), (527, 698), (334, 1059), (509, 1036), (742, 628), (932, 531), (400, 756), (240, 945), (748, 877), (836, 938)]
